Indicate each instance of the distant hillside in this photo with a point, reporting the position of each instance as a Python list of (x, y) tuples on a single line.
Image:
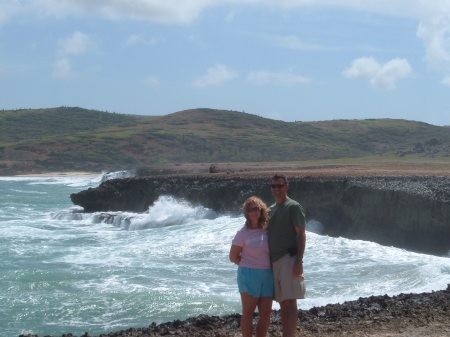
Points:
[(78, 139)]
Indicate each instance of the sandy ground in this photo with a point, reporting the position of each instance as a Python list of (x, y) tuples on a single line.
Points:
[(350, 170)]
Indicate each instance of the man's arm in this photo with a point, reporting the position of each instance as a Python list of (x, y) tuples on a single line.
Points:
[(301, 243)]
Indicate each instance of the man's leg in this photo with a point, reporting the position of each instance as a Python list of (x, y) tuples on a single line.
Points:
[(289, 317)]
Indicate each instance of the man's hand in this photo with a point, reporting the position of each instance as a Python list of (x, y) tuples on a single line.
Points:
[(297, 271)]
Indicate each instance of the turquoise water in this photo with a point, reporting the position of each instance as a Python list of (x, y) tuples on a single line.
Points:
[(63, 271)]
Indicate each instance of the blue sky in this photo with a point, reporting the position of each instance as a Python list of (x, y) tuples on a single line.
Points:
[(290, 60)]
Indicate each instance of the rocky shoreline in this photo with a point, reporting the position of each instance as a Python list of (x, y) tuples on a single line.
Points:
[(426, 314), (410, 212)]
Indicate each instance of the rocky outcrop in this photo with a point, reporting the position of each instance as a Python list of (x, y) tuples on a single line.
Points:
[(406, 212)]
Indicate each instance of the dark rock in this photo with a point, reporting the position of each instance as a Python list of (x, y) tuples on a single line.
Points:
[(374, 314), (406, 212), (214, 168)]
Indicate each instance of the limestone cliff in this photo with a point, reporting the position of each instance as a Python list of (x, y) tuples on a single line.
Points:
[(406, 212)]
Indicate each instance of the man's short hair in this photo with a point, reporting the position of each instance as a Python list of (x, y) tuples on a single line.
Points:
[(279, 176)]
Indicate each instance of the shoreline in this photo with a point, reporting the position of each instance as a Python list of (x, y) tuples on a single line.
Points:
[(403, 315), (57, 174), (320, 172)]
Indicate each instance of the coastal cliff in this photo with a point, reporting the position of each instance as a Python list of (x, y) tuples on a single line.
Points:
[(409, 212)]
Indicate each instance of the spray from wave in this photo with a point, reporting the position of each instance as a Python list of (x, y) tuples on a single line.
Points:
[(117, 175), (166, 211)]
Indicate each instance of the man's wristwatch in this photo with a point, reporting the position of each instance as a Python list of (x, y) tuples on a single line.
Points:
[(298, 260)]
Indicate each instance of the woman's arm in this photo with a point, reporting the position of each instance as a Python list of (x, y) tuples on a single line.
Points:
[(235, 254)]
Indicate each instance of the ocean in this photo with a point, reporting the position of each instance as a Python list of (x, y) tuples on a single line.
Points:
[(64, 271)]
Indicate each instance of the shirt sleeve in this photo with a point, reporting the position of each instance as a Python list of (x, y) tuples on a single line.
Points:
[(239, 239), (298, 216)]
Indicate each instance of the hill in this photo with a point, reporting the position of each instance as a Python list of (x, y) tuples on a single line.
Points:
[(68, 138)]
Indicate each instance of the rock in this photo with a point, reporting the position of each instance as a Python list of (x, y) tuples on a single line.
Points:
[(406, 212), (425, 314), (214, 168)]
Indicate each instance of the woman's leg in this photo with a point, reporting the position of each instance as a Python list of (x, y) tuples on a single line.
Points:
[(248, 308), (264, 309)]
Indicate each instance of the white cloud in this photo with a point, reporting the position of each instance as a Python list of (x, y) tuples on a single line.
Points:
[(215, 76), (62, 69), (390, 72), (152, 82), (446, 80), (278, 78), (77, 44), (382, 77), (185, 11), (364, 67), (435, 32), (162, 11), (402, 8), (10, 9), (433, 16)]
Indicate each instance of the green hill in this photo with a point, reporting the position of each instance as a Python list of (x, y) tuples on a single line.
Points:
[(79, 139)]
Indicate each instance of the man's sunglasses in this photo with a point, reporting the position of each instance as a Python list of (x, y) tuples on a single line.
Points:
[(278, 185)]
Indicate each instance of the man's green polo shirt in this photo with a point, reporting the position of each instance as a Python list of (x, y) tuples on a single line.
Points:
[(283, 219)]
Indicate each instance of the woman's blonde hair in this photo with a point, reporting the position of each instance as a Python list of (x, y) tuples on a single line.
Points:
[(262, 206)]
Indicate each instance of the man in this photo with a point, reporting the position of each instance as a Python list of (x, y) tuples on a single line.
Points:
[(287, 240)]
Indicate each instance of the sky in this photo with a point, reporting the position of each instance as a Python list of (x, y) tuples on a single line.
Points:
[(290, 60)]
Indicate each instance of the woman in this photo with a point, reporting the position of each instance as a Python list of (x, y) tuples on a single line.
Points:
[(250, 250)]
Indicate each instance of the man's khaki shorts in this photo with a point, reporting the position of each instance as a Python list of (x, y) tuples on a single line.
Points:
[(287, 287)]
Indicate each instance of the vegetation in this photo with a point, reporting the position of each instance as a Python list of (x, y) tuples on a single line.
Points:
[(75, 138)]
